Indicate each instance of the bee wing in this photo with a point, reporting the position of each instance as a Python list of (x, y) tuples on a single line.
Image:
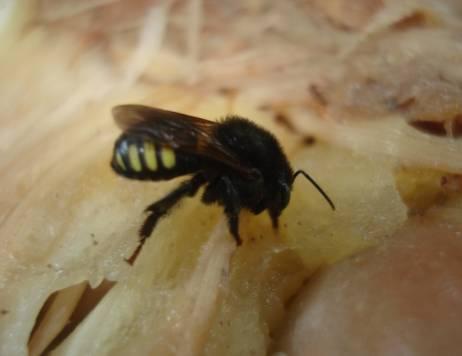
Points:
[(179, 131)]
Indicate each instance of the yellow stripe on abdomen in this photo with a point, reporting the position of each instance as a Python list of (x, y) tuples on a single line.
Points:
[(167, 156), (133, 158), (150, 156), (120, 161)]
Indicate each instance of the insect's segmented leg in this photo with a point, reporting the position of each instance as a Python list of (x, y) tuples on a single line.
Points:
[(232, 204), (161, 207), (212, 192), (274, 219)]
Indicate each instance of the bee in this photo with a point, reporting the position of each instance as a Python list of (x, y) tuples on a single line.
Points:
[(241, 165)]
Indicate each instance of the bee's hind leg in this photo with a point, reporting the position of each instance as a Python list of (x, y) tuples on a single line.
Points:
[(161, 207)]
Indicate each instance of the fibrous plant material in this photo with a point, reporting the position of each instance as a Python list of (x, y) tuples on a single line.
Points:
[(376, 90)]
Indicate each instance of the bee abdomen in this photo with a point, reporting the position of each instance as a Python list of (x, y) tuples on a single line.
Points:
[(143, 159)]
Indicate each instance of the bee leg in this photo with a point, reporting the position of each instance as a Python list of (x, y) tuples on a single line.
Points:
[(162, 207), (274, 219), (233, 223), (212, 192), (232, 204)]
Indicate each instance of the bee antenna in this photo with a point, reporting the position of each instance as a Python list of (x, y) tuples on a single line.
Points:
[(323, 193)]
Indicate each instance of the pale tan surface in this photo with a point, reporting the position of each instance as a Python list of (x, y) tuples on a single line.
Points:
[(403, 298), (66, 219)]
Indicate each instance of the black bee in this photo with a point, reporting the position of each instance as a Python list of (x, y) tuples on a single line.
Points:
[(241, 165)]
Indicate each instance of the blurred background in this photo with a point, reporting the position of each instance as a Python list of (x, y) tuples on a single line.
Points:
[(365, 95)]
